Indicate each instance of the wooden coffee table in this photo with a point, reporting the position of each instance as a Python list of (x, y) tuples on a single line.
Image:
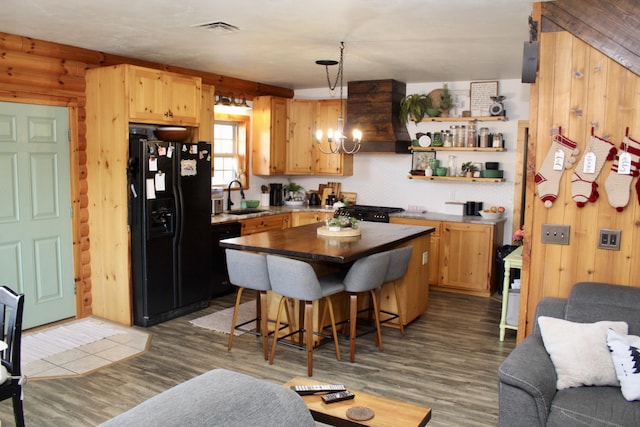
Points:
[(388, 412)]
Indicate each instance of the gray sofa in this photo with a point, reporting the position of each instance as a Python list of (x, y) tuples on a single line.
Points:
[(219, 398), (527, 377)]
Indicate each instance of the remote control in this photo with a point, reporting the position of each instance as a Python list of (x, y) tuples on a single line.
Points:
[(304, 390), (337, 397)]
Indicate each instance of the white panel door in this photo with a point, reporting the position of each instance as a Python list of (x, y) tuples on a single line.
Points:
[(35, 210)]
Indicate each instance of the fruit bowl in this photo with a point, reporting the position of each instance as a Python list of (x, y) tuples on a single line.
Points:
[(172, 133), (491, 215)]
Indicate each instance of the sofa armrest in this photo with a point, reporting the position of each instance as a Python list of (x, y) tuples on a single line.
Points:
[(527, 384), (550, 307)]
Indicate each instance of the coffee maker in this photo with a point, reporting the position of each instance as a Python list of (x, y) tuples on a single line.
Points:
[(275, 194)]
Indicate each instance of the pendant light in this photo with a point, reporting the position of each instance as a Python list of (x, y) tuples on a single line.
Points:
[(336, 140)]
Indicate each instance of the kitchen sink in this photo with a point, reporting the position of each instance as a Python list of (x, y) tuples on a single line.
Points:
[(245, 211)]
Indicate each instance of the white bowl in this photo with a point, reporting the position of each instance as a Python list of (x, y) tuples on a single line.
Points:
[(294, 202), (491, 215)]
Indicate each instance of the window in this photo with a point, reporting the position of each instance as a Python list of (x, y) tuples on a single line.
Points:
[(230, 145)]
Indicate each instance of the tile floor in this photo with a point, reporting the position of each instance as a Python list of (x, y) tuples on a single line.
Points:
[(87, 358)]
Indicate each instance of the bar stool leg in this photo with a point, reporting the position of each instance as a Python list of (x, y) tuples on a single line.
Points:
[(400, 313), (275, 333), (353, 315), (263, 324), (235, 318), (308, 335), (376, 315)]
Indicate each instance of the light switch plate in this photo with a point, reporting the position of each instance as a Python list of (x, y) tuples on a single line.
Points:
[(609, 239), (555, 234)]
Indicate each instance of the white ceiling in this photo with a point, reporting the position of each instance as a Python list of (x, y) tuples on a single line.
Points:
[(279, 41)]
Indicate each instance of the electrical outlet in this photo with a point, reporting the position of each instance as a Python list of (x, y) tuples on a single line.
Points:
[(425, 257), (609, 239), (555, 234)]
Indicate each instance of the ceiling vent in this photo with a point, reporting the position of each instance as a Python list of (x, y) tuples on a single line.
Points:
[(219, 27)]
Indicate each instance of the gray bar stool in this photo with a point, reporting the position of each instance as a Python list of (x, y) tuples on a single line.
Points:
[(365, 275), (248, 270), (398, 264), (296, 279)]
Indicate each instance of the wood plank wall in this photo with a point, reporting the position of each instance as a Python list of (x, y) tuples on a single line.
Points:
[(41, 72), (578, 88)]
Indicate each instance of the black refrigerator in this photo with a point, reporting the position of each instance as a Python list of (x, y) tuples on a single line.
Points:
[(170, 220)]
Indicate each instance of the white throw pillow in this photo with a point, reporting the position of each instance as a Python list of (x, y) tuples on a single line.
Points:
[(625, 354), (579, 351)]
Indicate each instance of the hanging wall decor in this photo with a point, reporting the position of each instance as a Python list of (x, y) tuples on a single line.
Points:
[(583, 186), (623, 170), (562, 155)]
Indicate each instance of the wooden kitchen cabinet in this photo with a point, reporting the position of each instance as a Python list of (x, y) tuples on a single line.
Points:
[(461, 255), (301, 139), (269, 135), (304, 218), (265, 223), (304, 157), (433, 273), (327, 112), (114, 99), (467, 258), (284, 138), (160, 97)]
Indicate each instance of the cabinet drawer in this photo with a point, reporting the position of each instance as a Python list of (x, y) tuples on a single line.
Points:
[(264, 223)]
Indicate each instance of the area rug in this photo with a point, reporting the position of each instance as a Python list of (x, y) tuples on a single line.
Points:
[(220, 321), (79, 347)]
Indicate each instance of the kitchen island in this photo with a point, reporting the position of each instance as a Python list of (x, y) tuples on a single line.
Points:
[(327, 253)]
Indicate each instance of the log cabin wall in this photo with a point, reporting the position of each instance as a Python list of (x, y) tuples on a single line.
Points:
[(41, 72), (579, 88)]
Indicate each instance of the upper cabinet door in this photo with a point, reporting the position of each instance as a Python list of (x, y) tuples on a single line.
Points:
[(184, 99), (300, 141), (327, 112), (269, 135), (160, 97)]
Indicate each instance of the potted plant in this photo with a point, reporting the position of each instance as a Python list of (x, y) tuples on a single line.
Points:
[(468, 169), (414, 107), (292, 189), (446, 101), (342, 222)]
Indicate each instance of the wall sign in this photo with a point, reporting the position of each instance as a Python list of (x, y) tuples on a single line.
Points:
[(480, 94)]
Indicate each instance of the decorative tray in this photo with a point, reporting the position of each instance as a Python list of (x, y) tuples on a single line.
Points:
[(343, 232)]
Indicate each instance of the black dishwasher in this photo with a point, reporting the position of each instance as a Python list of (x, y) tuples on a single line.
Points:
[(221, 285)]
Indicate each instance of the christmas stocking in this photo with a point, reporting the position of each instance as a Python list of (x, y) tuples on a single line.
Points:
[(624, 168), (583, 186), (561, 156)]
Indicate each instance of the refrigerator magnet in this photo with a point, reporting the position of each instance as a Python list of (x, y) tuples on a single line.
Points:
[(188, 167), (193, 149), (153, 164), (162, 151), (160, 181), (170, 151)]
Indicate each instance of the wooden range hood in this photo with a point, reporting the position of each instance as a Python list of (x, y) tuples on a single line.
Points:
[(373, 107)]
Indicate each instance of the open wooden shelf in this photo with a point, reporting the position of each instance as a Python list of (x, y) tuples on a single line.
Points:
[(430, 148), (466, 119), (454, 178)]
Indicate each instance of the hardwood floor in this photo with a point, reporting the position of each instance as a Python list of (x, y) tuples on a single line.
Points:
[(447, 360)]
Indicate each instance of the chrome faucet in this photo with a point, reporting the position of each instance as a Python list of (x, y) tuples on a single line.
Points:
[(229, 202)]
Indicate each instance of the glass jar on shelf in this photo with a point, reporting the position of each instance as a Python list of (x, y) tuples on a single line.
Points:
[(483, 137), (471, 137), (453, 169), (437, 139), (447, 139)]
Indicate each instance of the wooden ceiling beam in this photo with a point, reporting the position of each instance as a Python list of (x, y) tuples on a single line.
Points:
[(610, 26)]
